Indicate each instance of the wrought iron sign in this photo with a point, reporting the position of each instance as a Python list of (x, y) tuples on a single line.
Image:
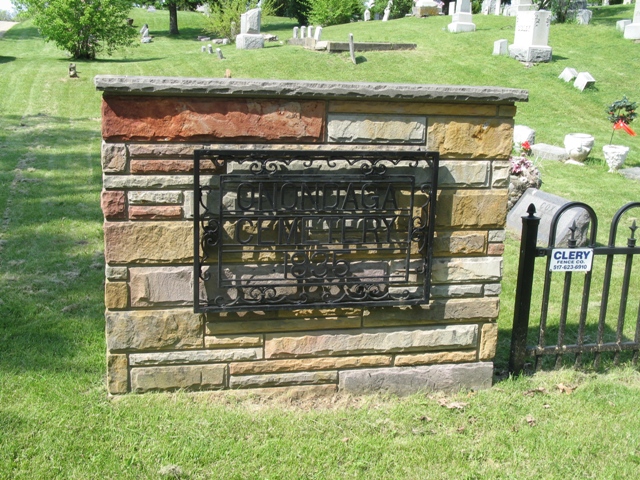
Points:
[(313, 229)]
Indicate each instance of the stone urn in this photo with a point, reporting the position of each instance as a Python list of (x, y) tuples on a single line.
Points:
[(578, 146), (615, 155)]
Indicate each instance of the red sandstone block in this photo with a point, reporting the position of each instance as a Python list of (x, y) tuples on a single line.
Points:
[(154, 212), (495, 248), (173, 166), (126, 118), (113, 204)]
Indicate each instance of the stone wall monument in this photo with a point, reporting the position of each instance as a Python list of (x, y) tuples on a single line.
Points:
[(156, 338), (532, 37)]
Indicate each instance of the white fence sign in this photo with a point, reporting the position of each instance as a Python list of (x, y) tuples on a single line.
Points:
[(571, 260)]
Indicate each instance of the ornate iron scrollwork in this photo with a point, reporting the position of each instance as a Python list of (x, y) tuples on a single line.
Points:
[(313, 229)]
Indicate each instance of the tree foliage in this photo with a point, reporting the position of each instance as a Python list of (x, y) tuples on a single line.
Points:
[(334, 12), (224, 20), (83, 27)]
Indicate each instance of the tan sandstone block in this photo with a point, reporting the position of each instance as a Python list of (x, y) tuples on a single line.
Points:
[(291, 325), (463, 173), (329, 343), (192, 377), (173, 166), (488, 341), (459, 310), (458, 137), (288, 393), (114, 157), (307, 364), (507, 111), (113, 203), (459, 243), (117, 374), (233, 341), (472, 208), (116, 295), (466, 269), (431, 358), (165, 119), (283, 379), (153, 330), (148, 242)]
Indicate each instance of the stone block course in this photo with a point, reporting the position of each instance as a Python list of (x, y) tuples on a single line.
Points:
[(154, 197), (151, 182), (233, 341), (287, 325), (404, 108), (309, 364), (114, 157), (148, 242), (282, 379), (155, 212), (488, 341), (188, 357), (192, 377), (114, 204), (161, 286), (459, 270), (459, 243), (463, 174), (137, 118), (471, 208), (172, 166), (435, 358), (117, 374), (329, 343), (116, 295), (356, 128), (409, 380), (456, 137), (153, 330)]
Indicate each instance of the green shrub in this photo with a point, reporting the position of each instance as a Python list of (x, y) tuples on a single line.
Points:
[(298, 9), (334, 12), (476, 6)]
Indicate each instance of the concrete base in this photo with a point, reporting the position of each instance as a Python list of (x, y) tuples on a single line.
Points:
[(456, 27), (426, 11), (632, 31), (622, 24), (534, 53), (248, 41), (549, 152), (410, 380)]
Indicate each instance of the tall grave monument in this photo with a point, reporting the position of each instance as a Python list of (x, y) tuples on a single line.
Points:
[(632, 31), (462, 19), (250, 30), (532, 37)]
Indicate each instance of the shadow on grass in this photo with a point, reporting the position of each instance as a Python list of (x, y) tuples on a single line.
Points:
[(6, 59), (610, 15)]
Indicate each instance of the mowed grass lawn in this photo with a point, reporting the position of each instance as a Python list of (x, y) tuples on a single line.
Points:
[(55, 418)]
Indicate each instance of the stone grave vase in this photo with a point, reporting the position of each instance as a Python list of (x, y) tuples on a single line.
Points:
[(578, 146), (615, 155)]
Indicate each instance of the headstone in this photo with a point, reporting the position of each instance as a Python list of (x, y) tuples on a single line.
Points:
[(605, 3), (295, 32), (203, 49), (427, 8), (583, 17), (250, 37), (584, 80), (621, 24), (568, 74), (310, 31), (387, 11), (501, 47), (626, 2), (489, 7), (225, 41), (220, 55), (352, 49), (210, 48), (462, 19), (546, 206), (367, 15), (518, 6), (376, 16), (151, 9), (73, 72), (531, 37), (632, 31), (522, 133), (544, 151), (318, 34), (497, 7), (303, 32)]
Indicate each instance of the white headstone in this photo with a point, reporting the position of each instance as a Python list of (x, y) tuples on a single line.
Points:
[(295, 32), (522, 133), (220, 55), (568, 74), (310, 31), (626, 2), (605, 3), (204, 49), (531, 37), (583, 17), (462, 20), (367, 15), (500, 47), (303, 32), (387, 11), (621, 24), (318, 34), (584, 80), (210, 48), (250, 21), (632, 31), (497, 7)]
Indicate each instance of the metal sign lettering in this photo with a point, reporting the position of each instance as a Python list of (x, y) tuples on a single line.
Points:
[(319, 229)]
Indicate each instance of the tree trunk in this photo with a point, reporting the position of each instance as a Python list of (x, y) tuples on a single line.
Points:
[(173, 19)]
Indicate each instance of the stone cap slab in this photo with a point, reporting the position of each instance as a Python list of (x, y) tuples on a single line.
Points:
[(160, 86)]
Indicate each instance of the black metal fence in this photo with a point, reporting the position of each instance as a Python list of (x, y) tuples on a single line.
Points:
[(594, 328)]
